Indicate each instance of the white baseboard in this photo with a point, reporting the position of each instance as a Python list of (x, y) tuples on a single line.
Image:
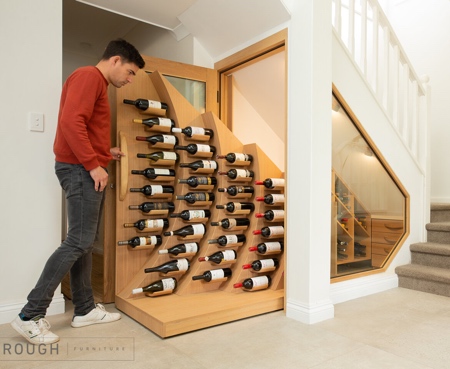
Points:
[(309, 314), (9, 311)]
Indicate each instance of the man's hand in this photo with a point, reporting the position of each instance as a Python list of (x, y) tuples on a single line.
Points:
[(116, 153), (100, 177)]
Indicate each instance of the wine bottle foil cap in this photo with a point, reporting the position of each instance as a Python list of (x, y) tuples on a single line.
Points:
[(137, 290)]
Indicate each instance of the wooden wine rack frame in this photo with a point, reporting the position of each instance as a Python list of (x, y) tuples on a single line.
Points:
[(194, 304)]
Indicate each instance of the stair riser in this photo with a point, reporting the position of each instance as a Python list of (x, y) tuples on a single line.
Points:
[(432, 260), (437, 216), (436, 288), (438, 237)]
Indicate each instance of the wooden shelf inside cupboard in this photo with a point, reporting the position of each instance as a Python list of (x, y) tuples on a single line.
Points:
[(194, 304)]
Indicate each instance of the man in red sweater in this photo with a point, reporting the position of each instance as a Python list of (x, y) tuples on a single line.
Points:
[(83, 150)]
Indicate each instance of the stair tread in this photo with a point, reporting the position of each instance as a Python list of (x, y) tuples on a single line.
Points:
[(424, 272), (439, 206), (438, 226), (431, 248)]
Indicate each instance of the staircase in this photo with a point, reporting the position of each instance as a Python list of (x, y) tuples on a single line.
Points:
[(429, 270)]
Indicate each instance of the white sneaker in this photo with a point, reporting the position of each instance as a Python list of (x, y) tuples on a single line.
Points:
[(95, 316), (36, 330)]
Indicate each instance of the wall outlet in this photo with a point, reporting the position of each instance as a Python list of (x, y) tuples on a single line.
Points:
[(36, 122)]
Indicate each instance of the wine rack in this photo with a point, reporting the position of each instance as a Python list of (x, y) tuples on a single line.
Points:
[(194, 304), (351, 242)]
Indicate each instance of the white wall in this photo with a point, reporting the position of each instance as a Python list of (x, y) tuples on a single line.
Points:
[(30, 70)]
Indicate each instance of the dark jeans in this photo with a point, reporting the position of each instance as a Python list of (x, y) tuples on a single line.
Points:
[(84, 206)]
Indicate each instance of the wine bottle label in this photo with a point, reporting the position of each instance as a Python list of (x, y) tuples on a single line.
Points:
[(232, 222), (217, 274), (142, 241), (203, 148), (154, 223), (242, 173), (154, 104), (232, 238), (204, 180), (278, 198), (165, 122), (168, 284), (156, 189), (196, 214), (161, 205), (198, 131), (168, 155), (237, 206), (278, 214), (191, 247), (276, 230), (277, 182), (182, 264), (152, 240), (273, 246), (228, 255), (169, 139), (209, 164), (201, 196), (241, 157), (261, 281), (198, 229), (162, 172), (267, 263)]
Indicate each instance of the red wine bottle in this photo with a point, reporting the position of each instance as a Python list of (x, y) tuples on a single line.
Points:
[(233, 207), (181, 248), (230, 223), (142, 241), (165, 284), (153, 190), (255, 283), (272, 199), (192, 214), (196, 148), (193, 131), (211, 275), (189, 230), (178, 265), (233, 157), (272, 215), (144, 104), (149, 224), (237, 190), (163, 139), (238, 174), (220, 257), (230, 239), (268, 232), (200, 164), (194, 181), (152, 173), (160, 155), (268, 248), (193, 197), (272, 183), (263, 265), (153, 207)]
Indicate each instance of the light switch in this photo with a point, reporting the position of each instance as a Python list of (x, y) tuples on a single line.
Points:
[(36, 122)]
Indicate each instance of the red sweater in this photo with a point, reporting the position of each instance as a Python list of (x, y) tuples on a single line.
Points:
[(84, 120)]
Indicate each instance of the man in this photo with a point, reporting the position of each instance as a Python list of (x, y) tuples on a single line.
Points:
[(83, 151)]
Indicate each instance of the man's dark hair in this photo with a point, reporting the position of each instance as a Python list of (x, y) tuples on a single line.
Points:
[(125, 50)]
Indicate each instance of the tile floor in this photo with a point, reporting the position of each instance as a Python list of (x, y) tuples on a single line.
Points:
[(398, 328)]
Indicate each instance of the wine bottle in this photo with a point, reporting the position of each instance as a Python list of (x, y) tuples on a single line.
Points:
[(237, 207), (212, 275), (161, 124), (231, 223), (195, 131), (255, 283), (165, 284), (189, 230), (181, 248), (268, 248), (272, 199), (142, 241), (238, 174), (199, 165), (149, 224), (193, 197), (153, 207), (194, 181), (227, 240), (154, 190), (269, 232), (152, 173), (196, 148), (177, 265), (237, 190), (220, 257), (167, 140), (192, 214), (263, 265), (144, 104), (272, 215), (271, 183), (234, 157), (173, 157)]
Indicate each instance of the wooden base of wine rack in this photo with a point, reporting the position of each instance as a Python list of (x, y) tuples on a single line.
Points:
[(194, 304)]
